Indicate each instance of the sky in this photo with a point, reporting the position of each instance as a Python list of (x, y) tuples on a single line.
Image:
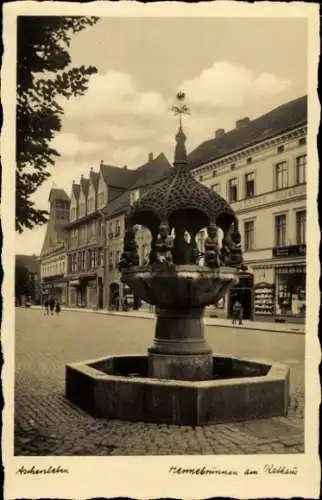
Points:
[(229, 68)]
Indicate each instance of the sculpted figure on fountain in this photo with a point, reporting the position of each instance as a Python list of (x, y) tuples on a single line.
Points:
[(130, 256), (231, 252), (164, 245), (212, 247)]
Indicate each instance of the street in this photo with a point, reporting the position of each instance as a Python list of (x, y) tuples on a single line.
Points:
[(47, 424)]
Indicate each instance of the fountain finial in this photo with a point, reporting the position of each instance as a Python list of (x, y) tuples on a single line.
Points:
[(180, 108)]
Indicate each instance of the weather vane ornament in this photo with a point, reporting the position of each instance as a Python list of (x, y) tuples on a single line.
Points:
[(180, 108)]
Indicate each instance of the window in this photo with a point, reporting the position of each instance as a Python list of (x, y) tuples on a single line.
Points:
[(100, 257), (249, 185), (232, 190), (83, 261), (249, 235), (117, 228), (134, 195), (93, 259), (281, 175), (110, 261), (90, 204), (216, 188), (301, 227), (82, 209), (301, 169), (110, 230), (280, 149), (280, 230), (100, 199), (74, 263), (117, 257)]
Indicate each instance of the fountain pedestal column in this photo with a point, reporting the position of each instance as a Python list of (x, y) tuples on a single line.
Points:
[(179, 351)]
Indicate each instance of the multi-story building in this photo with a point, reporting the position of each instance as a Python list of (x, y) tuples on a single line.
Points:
[(146, 175), (95, 231), (260, 168), (53, 257)]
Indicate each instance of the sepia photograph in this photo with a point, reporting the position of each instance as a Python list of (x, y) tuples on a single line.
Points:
[(164, 298)]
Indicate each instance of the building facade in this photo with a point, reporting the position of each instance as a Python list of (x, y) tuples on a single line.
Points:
[(53, 257), (260, 168)]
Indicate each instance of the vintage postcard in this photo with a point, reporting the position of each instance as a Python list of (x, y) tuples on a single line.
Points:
[(159, 211)]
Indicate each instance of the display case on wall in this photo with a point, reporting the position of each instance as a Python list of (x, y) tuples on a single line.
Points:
[(264, 299)]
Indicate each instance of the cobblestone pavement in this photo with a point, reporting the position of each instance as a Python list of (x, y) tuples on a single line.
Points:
[(47, 424)]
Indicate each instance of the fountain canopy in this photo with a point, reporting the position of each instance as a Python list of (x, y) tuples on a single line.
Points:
[(181, 201)]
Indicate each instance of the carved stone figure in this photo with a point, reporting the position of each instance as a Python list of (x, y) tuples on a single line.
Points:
[(212, 247), (231, 253), (130, 256), (164, 245)]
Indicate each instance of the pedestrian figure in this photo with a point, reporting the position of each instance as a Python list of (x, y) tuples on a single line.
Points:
[(57, 307), (52, 306), (46, 304), (237, 313)]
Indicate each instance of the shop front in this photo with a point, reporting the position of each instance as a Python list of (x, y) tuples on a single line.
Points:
[(290, 292), (290, 283), (243, 293), (55, 287)]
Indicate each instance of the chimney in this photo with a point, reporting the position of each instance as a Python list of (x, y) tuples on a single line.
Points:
[(243, 122), (150, 156), (219, 132)]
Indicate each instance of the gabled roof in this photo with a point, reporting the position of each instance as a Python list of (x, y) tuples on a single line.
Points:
[(118, 205), (151, 172), (117, 176), (94, 178), (84, 185), (76, 190), (58, 194), (147, 174), (279, 120)]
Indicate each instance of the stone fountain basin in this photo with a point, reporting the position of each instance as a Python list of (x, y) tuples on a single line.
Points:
[(117, 387), (182, 286)]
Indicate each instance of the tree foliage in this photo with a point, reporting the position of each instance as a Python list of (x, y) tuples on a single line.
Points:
[(44, 76), (23, 283)]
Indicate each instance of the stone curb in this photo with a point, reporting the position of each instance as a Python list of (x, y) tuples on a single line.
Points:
[(295, 329)]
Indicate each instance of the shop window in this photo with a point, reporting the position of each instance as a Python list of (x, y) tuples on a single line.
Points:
[(291, 292), (281, 175), (249, 235), (232, 190), (249, 185), (280, 230), (301, 169), (301, 227)]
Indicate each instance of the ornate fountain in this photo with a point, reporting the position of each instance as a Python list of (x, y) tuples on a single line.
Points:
[(180, 381)]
